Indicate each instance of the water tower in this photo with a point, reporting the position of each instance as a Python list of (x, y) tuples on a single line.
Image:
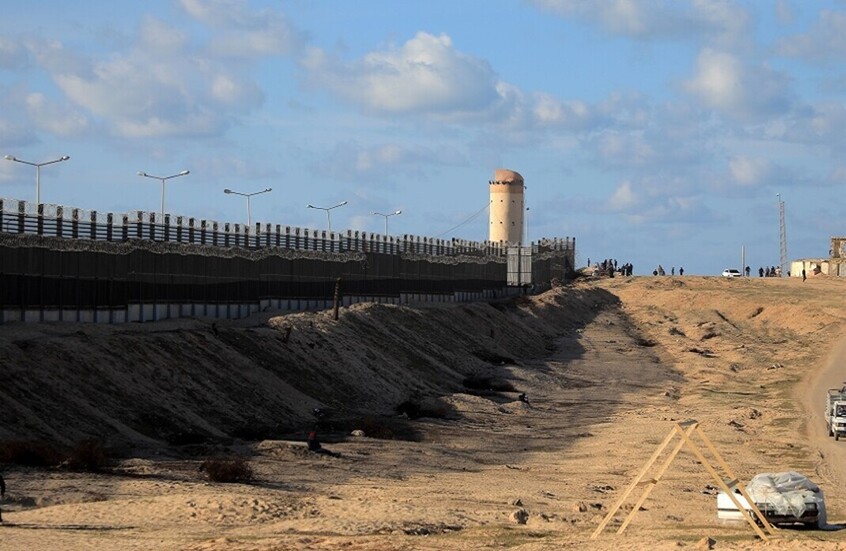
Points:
[(506, 212)]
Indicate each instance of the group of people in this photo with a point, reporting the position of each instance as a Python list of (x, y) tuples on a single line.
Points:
[(774, 271), (659, 271), (609, 267)]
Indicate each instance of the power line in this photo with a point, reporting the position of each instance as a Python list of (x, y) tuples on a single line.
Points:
[(474, 215)]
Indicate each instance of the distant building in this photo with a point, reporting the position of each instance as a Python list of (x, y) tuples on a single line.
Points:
[(834, 265), (507, 207)]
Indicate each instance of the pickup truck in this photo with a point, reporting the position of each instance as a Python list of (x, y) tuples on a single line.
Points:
[(835, 412)]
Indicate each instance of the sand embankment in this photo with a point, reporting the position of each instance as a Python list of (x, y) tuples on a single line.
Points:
[(607, 366)]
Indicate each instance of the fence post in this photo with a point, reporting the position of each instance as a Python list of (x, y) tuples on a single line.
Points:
[(190, 230), (21, 216), (75, 223), (93, 229), (166, 224), (202, 232), (179, 229), (110, 221), (60, 212), (226, 234), (151, 220), (39, 221)]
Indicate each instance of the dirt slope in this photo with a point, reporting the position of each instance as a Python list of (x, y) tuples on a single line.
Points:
[(607, 366), (191, 381)]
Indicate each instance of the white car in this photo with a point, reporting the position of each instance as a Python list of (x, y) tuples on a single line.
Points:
[(731, 272)]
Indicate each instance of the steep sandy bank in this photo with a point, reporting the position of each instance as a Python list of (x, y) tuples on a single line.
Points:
[(190, 381)]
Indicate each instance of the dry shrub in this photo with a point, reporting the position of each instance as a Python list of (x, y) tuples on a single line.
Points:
[(227, 469), (88, 455), (30, 453), (376, 428)]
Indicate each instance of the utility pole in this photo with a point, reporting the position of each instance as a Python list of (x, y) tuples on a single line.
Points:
[(782, 234)]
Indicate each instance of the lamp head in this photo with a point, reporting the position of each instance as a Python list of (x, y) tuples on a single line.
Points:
[(398, 212), (269, 189), (140, 173), (11, 158), (309, 206), (227, 190), (343, 203), (184, 172), (65, 157)]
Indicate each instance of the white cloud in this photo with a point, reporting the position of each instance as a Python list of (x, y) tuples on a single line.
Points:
[(15, 134), (158, 36), (748, 171), (153, 91), (623, 149), (245, 33), (825, 41), (60, 120), (424, 75), (548, 110), (12, 54), (142, 97), (386, 162), (725, 83), (623, 198), (658, 18)]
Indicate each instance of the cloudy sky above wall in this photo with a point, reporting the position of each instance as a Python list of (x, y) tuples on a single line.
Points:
[(652, 131)]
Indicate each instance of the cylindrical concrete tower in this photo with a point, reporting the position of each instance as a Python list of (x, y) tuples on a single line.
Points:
[(506, 212)]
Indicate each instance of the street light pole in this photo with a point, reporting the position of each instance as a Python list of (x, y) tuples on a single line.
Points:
[(37, 172), (247, 195), (163, 179), (327, 209), (386, 219)]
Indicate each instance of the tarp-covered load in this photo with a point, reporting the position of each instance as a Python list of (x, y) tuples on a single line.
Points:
[(784, 498)]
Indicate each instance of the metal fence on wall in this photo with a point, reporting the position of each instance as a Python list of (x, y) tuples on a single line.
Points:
[(58, 221), (75, 266)]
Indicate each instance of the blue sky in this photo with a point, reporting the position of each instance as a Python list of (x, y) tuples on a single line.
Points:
[(651, 131)]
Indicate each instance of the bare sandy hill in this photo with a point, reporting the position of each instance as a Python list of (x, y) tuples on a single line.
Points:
[(451, 458)]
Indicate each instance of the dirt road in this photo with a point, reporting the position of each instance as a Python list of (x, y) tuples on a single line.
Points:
[(812, 391)]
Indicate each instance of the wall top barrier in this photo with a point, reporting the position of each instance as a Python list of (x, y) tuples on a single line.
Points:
[(22, 217)]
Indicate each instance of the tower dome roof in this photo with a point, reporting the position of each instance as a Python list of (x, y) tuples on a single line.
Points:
[(505, 176)]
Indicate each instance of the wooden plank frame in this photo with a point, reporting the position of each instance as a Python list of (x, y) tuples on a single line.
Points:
[(685, 430)]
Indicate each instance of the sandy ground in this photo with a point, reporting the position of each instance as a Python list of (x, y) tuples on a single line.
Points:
[(748, 359)]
